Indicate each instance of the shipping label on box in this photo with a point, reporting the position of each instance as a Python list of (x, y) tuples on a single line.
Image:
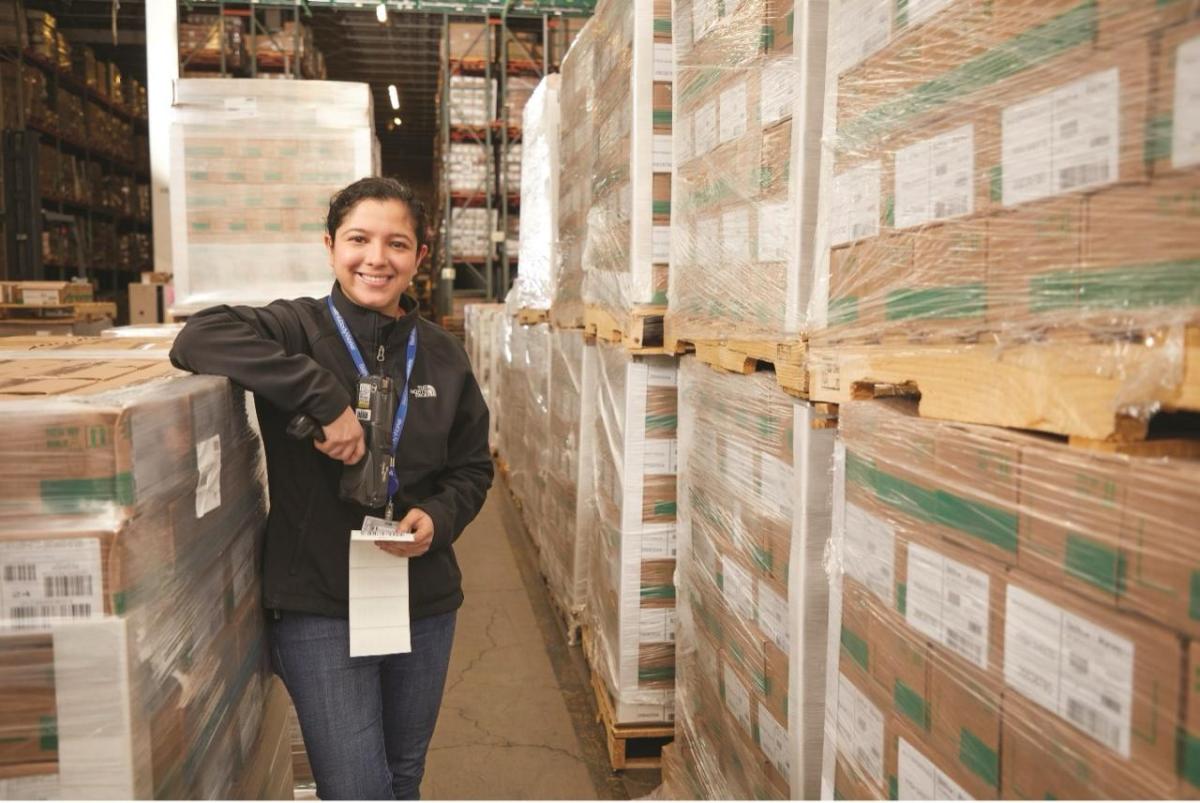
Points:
[(856, 204), (948, 601), (42, 581), (918, 778), (860, 731), (1185, 122), (870, 552), (935, 178)]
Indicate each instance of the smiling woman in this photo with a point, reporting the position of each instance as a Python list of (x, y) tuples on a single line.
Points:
[(366, 718)]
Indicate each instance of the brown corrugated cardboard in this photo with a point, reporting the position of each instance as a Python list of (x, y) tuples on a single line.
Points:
[(28, 713), (965, 708), (1113, 676), (469, 40), (901, 667), (147, 303), (1122, 20), (946, 291), (977, 473), (1034, 253), (1189, 759), (847, 785), (915, 771), (268, 773)]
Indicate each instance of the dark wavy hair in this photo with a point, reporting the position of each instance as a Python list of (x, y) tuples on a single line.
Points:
[(377, 188)]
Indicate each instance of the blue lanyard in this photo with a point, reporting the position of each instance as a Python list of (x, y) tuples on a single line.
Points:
[(361, 365)]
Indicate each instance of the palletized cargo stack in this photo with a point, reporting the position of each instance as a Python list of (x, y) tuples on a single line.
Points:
[(754, 475), (486, 341), (1012, 231), (131, 517), (525, 419), (628, 249)]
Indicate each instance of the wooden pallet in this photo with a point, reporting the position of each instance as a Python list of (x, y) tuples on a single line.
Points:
[(570, 623), (59, 313), (641, 333), (532, 317), (630, 746), (789, 359), (1074, 387)]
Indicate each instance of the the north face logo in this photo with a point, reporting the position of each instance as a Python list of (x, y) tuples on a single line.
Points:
[(424, 392)]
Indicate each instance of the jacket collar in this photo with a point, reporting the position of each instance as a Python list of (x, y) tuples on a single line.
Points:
[(371, 327)]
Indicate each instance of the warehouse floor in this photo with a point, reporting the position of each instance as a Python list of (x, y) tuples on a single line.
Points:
[(518, 720)]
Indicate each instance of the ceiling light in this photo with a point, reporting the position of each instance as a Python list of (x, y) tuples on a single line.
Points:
[(381, 12), (393, 96), (396, 120)]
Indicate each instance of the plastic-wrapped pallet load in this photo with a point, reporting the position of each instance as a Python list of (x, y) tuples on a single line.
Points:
[(525, 399), (132, 504), (628, 250), (568, 470), (631, 549), (539, 177), (746, 178), (467, 168), (996, 171), (472, 100), (754, 520), (576, 153), (1014, 615), (471, 232), (253, 166), (486, 342)]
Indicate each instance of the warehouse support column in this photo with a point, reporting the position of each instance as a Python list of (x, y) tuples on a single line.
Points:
[(162, 69)]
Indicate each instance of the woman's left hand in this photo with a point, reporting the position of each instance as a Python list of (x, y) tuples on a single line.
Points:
[(417, 522)]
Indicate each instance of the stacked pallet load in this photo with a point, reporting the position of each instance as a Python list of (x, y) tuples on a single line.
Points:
[(576, 153), (748, 115), (486, 339), (1011, 232), (630, 608), (754, 520), (257, 162), (524, 424), (538, 178), (466, 165), (132, 635), (628, 250)]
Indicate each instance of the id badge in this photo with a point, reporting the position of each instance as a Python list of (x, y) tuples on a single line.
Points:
[(377, 529), (362, 407)]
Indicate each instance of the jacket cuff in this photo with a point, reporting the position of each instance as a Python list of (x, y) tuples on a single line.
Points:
[(328, 410), (443, 523)]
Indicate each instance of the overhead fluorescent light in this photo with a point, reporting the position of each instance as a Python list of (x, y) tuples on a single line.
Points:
[(393, 96), (397, 121), (381, 12)]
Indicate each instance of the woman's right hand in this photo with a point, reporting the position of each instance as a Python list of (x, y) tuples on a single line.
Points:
[(343, 439)]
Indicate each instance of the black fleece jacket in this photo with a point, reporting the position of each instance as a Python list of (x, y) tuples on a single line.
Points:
[(290, 355)]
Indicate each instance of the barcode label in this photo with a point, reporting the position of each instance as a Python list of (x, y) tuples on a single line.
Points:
[(968, 647), (934, 178), (1070, 178), (77, 585), (949, 602), (32, 615), (1094, 723), (22, 572)]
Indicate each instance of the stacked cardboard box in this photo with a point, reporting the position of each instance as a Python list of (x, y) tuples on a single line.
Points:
[(1015, 612), (471, 232), (469, 40), (576, 152), (258, 163), (467, 168), (628, 251), (631, 537), (525, 401), (745, 194), (989, 162), (754, 472), (517, 92), (538, 174), (131, 635), (486, 340), (472, 100), (202, 37)]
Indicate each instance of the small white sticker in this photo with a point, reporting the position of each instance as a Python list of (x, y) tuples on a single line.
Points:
[(948, 602), (935, 178), (733, 112), (738, 587), (735, 233), (49, 580), (377, 529), (208, 481), (656, 625), (1070, 666), (737, 699), (859, 731), (661, 376), (777, 491), (30, 787), (775, 223), (705, 137), (661, 245), (778, 91), (856, 204), (662, 160), (773, 616), (660, 456), (921, 10), (870, 552), (920, 779), (658, 542), (1185, 127), (682, 133), (773, 738), (664, 61)]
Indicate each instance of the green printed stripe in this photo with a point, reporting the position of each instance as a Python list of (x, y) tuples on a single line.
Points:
[(664, 421), (658, 592), (702, 81), (661, 207), (964, 301), (665, 508), (902, 598), (980, 759), (843, 310), (911, 704), (893, 788), (1159, 134), (1029, 49), (1159, 284), (1194, 597), (74, 496), (659, 297), (662, 26), (857, 648), (1095, 563), (1189, 758), (48, 734), (656, 674)]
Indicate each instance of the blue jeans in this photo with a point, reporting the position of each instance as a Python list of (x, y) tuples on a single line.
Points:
[(366, 722)]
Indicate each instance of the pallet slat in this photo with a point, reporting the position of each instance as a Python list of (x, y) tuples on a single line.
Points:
[(640, 333)]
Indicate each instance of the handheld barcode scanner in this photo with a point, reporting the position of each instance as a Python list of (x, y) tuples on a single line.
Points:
[(365, 482)]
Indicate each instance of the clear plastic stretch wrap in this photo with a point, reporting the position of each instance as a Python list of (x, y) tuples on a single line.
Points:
[(996, 171), (539, 176), (744, 204), (132, 507), (754, 520), (486, 343), (569, 488), (1010, 616), (471, 232), (472, 100), (253, 165), (631, 550), (524, 426), (628, 250), (467, 168), (577, 152)]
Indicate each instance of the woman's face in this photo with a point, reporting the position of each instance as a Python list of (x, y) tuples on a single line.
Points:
[(375, 255)]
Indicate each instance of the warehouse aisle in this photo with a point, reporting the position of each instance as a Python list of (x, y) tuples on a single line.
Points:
[(517, 719)]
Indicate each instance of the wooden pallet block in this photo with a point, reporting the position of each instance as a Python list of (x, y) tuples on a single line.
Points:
[(647, 739), (1066, 387), (642, 333), (59, 313), (789, 359), (569, 622), (532, 317)]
